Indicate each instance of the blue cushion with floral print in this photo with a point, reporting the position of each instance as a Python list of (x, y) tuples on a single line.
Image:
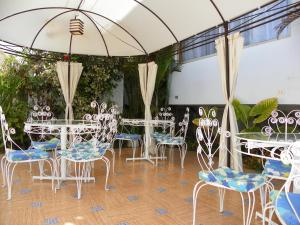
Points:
[(239, 181), (158, 135), (124, 136), (283, 207), (46, 145), (276, 168), (24, 155), (170, 140)]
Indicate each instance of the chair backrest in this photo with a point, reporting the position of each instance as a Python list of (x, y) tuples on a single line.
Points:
[(41, 113), (9, 144), (40, 133), (286, 202), (184, 124), (282, 123), (207, 135), (107, 120), (167, 115)]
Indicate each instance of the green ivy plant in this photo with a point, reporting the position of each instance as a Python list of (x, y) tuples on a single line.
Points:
[(250, 117)]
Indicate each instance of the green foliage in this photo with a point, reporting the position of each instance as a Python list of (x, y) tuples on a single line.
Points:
[(13, 96), (25, 82), (242, 112), (134, 106), (262, 110), (251, 117), (166, 65)]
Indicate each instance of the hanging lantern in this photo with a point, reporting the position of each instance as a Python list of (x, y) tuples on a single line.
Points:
[(76, 27)]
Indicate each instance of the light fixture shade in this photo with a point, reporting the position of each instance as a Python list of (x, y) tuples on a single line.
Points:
[(76, 27)]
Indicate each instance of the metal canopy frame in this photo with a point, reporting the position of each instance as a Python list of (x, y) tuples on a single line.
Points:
[(251, 23)]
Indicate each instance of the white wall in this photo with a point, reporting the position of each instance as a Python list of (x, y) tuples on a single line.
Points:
[(266, 70)]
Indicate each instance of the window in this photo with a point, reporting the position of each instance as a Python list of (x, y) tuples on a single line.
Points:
[(203, 44)]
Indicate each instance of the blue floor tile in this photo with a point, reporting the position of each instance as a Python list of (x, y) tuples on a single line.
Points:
[(50, 221), (161, 211)]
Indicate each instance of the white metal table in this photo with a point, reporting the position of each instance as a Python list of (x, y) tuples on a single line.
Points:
[(276, 145), (147, 124), (62, 128)]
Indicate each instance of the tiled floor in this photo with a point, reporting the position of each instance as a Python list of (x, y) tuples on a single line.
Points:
[(140, 194)]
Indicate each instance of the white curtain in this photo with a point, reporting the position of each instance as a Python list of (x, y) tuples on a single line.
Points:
[(236, 43), (147, 74), (75, 73)]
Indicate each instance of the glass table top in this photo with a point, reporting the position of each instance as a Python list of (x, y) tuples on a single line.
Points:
[(273, 138), (60, 122)]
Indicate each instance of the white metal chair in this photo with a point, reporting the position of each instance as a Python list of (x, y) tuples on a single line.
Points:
[(284, 202), (280, 124), (177, 140), (125, 135), (84, 149), (107, 119), (42, 138), (15, 155), (165, 131), (224, 178)]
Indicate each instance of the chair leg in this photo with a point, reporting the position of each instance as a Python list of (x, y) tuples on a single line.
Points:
[(251, 203), (157, 150), (3, 165), (56, 164), (133, 144), (52, 172), (141, 147), (120, 147), (113, 159), (107, 163), (196, 190), (222, 192), (271, 209), (79, 173), (41, 168), (10, 167)]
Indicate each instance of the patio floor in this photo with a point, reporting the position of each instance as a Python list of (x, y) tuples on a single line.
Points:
[(140, 194)]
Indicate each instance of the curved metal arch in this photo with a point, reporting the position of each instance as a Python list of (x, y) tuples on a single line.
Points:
[(87, 11), (54, 17), (218, 10), (110, 20), (102, 37), (159, 18)]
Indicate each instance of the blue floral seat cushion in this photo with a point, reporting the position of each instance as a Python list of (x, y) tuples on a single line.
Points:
[(275, 168), (283, 207), (238, 181), (46, 145), (88, 145), (30, 154), (82, 154), (124, 136), (85, 151), (170, 140), (158, 135)]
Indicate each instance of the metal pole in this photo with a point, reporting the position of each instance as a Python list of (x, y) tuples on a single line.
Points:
[(227, 63)]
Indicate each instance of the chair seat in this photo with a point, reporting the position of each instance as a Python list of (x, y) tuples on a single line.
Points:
[(83, 154), (160, 135), (283, 207), (87, 145), (46, 145), (275, 168), (124, 136), (238, 181), (27, 155), (170, 140)]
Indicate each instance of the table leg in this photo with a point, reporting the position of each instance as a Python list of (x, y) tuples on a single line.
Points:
[(63, 163)]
